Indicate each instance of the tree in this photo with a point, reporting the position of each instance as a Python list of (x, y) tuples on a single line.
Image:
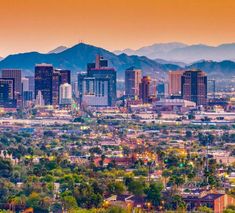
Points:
[(70, 203), (5, 168), (173, 201), (116, 188), (136, 187), (229, 209), (115, 209), (35, 201), (57, 208), (153, 193), (205, 209)]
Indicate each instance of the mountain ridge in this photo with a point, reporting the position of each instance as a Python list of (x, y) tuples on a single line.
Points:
[(77, 57), (181, 52)]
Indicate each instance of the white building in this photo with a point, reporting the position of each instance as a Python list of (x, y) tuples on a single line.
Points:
[(65, 94), (39, 99)]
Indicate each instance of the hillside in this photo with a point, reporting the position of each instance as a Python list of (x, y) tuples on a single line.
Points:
[(77, 57)]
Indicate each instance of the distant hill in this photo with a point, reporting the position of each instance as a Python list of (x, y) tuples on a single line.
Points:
[(180, 52), (58, 49), (162, 61), (224, 69), (158, 50), (77, 57), (1, 58)]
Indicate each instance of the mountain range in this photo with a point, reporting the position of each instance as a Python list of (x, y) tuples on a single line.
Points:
[(77, 57), (181, 52)]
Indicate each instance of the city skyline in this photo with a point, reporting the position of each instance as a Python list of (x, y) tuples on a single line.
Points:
[(42, 26)]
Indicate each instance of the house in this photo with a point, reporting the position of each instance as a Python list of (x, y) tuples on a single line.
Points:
[(216, 201), (133, 201)]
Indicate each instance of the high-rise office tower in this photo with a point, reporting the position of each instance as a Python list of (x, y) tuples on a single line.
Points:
[(16, 75), (95, 92), (80, 77), (25, 84), (59, 77), (153, 89), (102, 72), (48, 81), (31, 83), (7, 93), (194, 86), (99, 63), (132, 82), (174, 78), (27, 92), (65, 76), (65, 94), (56, 82), (162, 89), (145, 89), (75, 92), (43, 82)]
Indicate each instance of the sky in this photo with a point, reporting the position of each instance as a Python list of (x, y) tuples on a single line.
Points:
[(42, 25)]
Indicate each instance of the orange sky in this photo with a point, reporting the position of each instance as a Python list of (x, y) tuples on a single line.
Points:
[(41, 25)]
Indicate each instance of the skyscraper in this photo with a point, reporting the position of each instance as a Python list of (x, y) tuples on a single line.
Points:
[(99, 63), (194, 86), (104, 78), (48, 81), (7, 93), (65, 76), (26, 94), (145, 89), (95, 92), (16, 75), (25, 84), (56, 82), (43, 82), (81, 76), (31, 83), (162, 89), (132, 81), (174, 78)]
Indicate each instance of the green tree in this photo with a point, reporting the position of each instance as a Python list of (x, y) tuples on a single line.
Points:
[(205, 209), (70, 203), (153, 193), (116, 188), (5, 168), (136, 187), (115, 209)]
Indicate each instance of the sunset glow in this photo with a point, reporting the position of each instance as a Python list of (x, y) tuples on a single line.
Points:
[(41, 25)]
